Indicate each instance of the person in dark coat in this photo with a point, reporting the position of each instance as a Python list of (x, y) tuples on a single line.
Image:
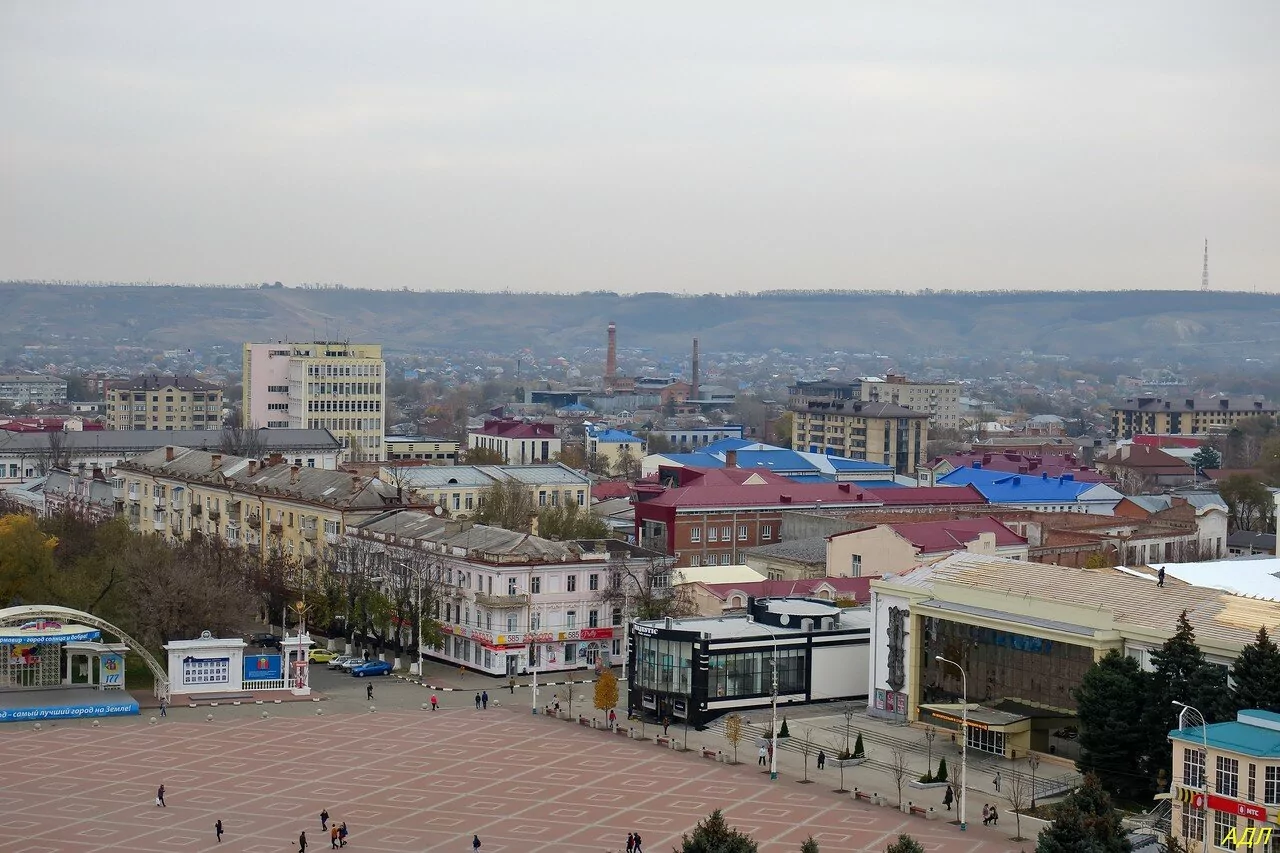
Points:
[(475, 842), (948, 798), (302, 842), (217, 828)]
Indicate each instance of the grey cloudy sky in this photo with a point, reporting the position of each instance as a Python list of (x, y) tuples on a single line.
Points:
[(707, 146)]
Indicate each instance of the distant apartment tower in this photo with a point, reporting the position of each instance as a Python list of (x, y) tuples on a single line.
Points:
[(21, 389), (164, 403), (939, 400), (333, 385), (1186, 416)]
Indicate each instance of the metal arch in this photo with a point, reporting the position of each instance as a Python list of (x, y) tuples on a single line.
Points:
[(28, 611)]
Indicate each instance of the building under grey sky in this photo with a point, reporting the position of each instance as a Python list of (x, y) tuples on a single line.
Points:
[(644, 146)]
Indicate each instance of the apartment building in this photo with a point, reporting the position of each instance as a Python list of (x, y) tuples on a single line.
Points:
[(163, 404), (1184, 416), (421, 448), (268, 506), (333, 385), (507, 603), (940, 400), (613, 445), (22, 389), (520, 443), (460, 489), (27, 455), (877, 432), (689, 438), (1227, 782)]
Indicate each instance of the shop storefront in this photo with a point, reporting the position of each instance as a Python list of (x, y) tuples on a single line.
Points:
[(518, 654)]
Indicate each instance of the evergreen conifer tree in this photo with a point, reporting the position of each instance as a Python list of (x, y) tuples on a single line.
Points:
[(1256, 674), (714, 835), (1085, 822), (1111, 701), (904, 844), (858, 750), (1181, 675)]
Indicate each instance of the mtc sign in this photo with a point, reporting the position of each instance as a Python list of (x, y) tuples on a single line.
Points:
[(1227, 805)]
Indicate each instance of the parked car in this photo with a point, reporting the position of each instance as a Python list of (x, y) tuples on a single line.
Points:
[(267, 641), (352, 663), (321, 655), (341, 661), (373, 667)]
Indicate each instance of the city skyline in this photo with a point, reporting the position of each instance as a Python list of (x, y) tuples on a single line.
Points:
[(699, 149)]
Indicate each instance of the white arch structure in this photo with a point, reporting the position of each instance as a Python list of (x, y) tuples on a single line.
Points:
[(27, 612)]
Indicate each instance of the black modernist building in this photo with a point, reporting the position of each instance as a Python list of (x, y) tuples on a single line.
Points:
[(698, 669)]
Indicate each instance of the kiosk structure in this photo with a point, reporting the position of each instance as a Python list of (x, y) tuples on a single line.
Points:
[(220, 668), (51, 669)]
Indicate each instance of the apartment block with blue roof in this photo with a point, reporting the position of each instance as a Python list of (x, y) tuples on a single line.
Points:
[(1044, 493), (1226, 781), (615, 446)]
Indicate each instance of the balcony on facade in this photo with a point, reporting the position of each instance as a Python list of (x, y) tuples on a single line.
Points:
[(196, 509), (309, 533), (276, 528), (497, 602), (214, 515), (254, 521)]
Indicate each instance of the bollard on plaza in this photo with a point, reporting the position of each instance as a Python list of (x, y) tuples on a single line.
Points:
[(209, 718), (265, 715)]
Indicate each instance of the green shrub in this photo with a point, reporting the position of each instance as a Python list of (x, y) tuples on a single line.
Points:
[(941, 775), (858, 750), (784, 732)]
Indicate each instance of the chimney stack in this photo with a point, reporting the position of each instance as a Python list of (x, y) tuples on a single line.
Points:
[(215, 461), (611, 358), (168, 453), (253, 467), (693, 383), (731, 459), (293, 473)]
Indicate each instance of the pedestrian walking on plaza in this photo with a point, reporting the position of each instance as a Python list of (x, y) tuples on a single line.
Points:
[(324, 819), (613, 719), (986, 814), (763, 752), (164, 708), (475, 842), (462, 672), (512, 684), (477, 701), (342, 835), (368, 691), (217, 828), (638, 848), (631, 842), (666, 721), (333, 837), (434, 701), (822, 759), (302, 841), (484, 700), (996, 781), (948, 798), (160, 797)]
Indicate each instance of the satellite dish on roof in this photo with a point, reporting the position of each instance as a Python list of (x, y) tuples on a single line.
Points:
[(439, 510)]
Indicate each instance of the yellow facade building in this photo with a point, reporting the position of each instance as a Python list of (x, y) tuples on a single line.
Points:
[(1184, 416), (877, 432), (164, 403), (268, 507)]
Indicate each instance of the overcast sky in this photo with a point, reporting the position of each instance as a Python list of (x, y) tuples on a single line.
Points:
[(704, 146)]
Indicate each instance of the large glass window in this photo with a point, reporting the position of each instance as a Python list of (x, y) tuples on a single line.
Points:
[(751, 673), (1193, 768), (1223, 823), (1271, 786), (1227, 777), (664, 665), (1192, 823)]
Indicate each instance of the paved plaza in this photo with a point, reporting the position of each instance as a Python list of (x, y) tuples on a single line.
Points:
[(405, 780)]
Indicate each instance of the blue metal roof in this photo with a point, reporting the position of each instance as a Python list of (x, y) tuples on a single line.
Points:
[(1003, 487), (1254, 733), (727, 444)]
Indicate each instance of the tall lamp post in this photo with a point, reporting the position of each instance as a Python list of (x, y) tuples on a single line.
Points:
[(964, 736), (773, 748)]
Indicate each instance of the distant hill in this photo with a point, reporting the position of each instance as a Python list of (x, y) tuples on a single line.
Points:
[(1174, 324)]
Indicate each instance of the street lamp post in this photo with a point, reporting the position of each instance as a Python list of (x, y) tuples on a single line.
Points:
[(773, 749), (964, 736), (1033, 761)]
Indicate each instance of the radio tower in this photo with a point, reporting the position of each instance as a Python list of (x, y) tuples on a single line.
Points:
[(1204, 276)]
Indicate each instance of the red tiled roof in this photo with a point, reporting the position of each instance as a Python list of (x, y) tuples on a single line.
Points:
[(858, 588), (925, 495), (934, 536), (1147, 458), (1168, 441), (609, 489), (791, 495)]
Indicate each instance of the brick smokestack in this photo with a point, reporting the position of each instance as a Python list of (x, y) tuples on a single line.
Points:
[(611, 359), (693, 384)]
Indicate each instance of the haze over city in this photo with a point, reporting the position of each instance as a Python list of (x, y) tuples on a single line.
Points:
[(712, 147)]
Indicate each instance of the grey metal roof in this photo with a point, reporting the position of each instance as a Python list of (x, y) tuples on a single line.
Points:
[(738, 628), (1033, 621), (476, 539), (1251, 539), (126, 441), (481, 476), (1152, 503), (58, 482), (812, 550), (156, 382)]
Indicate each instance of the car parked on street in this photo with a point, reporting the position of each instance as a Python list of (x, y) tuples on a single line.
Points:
[(321, 655), (340, 661), (352, 663), (373, 667), (265, 641)]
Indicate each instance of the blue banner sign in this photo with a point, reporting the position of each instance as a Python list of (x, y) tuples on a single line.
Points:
[(68, 712), (263, 668)]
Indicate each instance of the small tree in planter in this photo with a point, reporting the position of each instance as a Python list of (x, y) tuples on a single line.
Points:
[(898, 770), (941, 775), (806, 749), (733, 733), (858, 750), (842, 755), (606, 696), (568, 698), (1018, 790), (784, 732)]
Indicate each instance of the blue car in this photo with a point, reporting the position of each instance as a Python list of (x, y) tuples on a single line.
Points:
[(373, 667)]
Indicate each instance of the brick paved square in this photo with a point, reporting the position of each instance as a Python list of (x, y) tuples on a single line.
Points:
[(408, 781)]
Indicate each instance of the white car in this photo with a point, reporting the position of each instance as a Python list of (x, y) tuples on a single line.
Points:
[(338, 662)]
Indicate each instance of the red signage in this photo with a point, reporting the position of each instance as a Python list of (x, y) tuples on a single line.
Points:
[(595, 633), (1235, 807)]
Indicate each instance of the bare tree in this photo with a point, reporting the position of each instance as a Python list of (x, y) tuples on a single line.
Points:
[(1017, 788), (245, 442), (898, 769), (840, 760), (55, 454), (507, 504), (642, 589), (806, 749), (197, 586)]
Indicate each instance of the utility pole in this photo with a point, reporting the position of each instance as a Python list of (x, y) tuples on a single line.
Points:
[(773, 753)]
